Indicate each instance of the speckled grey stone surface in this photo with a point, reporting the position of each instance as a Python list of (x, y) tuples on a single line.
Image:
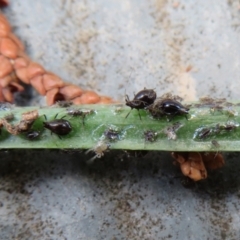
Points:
[(53, 195), (188, 47)]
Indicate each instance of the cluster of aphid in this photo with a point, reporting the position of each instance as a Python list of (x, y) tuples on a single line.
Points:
[(193, 165), (170, 131), (58, 126), (217, 105), (166, 105), (109, 136), (220, 128)]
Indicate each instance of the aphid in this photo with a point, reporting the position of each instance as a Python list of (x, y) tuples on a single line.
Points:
[(150, 136), (99, 150), (167, 107), (32, 134), (215, 143), (118, 109), (63, 104), (58, 126), (74, 112), (231, 112), (172, 107), (141, 100), (215, 108), (229, 126), (171, 131), (80, 113), (203, 132), (111, 134)]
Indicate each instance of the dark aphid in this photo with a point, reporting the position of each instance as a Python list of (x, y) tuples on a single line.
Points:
[(171, 107), (32, 134), (111, 134), (167, 107), (150, 136), (141, 100), (58, 126), (146, 96)]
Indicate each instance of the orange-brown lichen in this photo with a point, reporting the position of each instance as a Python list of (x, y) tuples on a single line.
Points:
[(194, 164), (16, 67)]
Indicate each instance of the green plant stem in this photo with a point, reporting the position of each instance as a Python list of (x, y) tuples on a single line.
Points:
[(131, 130)]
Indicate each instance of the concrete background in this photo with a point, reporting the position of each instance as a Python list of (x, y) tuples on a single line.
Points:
[(190, 48)]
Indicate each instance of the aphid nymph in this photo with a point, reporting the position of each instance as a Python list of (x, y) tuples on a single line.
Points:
[(32, 134), (171, 131), (215, 143), (77, 112), (204, 133), (150, 136), (99, 150), (111, 134)]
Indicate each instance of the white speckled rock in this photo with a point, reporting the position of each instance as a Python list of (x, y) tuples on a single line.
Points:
[(115, 47)]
